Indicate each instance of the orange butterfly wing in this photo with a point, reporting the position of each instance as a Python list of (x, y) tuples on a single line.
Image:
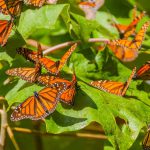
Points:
[(37, 3), (143, 72), (27, 74), (121, 28), (38, 106), (113, 87), (132, 26), (122, 50), (91, 4), (28, 54), (55, 67), (127, 50), (10, 7), (49, 65), (109, 86), (52, 81), (137, 42), (31, 55), (5, 29), (67, 95), (66, 56), (127, 30)]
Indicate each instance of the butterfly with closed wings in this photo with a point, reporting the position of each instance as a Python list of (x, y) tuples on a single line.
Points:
[(113, 87)]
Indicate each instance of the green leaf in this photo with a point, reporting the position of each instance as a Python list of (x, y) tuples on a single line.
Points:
[(45, 17)]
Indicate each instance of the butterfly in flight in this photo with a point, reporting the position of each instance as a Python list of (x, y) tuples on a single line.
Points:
[(127, 50), (5, 30), (38, 106), (67, 88), (51, 66), (143, 72), (11, 7), (127, 30), (114, 87), (146, 140)]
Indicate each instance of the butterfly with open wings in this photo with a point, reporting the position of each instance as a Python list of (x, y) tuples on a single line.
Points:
[(50, 65), (127, 50)]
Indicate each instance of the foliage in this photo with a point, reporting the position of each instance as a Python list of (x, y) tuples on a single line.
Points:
[(54, 24)]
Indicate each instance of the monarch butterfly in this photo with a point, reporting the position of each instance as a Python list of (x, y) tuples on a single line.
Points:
[(49, 65), (38, 106), (37, 3), (10, 7), (143, 72), (127, 30), (127, 50), (5, 29), (28, 74), (113, 87), (146, 141), (68, 88)]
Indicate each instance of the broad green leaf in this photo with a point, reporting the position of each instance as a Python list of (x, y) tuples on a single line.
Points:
[(45, 17)]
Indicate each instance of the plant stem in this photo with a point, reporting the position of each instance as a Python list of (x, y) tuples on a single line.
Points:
[(79, 135), (11, 135), (38, 138), (3, 127), (69, 43)]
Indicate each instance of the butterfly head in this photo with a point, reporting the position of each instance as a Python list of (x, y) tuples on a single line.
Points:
[(36, 94)]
